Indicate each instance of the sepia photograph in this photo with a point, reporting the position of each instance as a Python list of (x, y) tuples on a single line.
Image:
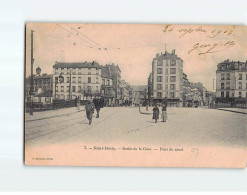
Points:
[(136, 95)]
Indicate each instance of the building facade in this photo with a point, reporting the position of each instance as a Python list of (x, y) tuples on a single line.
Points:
[(231, 83), (167, 78), (80, 79)]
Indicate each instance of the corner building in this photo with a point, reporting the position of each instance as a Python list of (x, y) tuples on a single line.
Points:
[(167, 78)]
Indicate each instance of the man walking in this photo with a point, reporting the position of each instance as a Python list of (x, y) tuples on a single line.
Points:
[(98, 105), (164, 111), (89, 111), (156, 113)]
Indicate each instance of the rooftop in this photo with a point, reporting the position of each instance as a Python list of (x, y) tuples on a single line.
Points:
[(76, 65)]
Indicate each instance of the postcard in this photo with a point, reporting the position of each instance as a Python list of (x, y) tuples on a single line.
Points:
[(136, 95)]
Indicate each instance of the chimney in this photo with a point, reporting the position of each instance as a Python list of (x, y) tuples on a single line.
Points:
[(157, 55)]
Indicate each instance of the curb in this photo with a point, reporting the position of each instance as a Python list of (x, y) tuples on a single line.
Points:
[(231, 111)]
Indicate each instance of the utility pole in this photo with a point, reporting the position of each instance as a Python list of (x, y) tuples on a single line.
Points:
[(213, 84), (31, 88)]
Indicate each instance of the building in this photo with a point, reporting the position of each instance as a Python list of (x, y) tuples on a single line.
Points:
[(126, 94), (167, 78), (107, 91), (76, 79), (231, 84), (115, 72), (42, 87), (140, 95)]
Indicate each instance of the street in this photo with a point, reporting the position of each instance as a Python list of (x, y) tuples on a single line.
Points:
[(185, 126)]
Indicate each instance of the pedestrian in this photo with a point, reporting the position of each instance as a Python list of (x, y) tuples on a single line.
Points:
[(98, 105), (89, 111), (164, 112), (156, 113), (75, 101), (78, 103)]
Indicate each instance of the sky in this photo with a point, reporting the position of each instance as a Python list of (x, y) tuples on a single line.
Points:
[(133, 47)]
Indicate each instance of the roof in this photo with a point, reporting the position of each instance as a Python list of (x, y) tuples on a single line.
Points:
[(167, 56), (44, 76), (47, 93), (105, 72), (138, 87), (76, 65), (113, 69)]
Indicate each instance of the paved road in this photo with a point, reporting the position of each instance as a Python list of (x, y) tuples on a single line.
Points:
[(184, 126)]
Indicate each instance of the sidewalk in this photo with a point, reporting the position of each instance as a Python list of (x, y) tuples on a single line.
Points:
[(236, 110), (52, 113)]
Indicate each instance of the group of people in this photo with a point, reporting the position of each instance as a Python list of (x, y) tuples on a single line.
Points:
[(156, 111)]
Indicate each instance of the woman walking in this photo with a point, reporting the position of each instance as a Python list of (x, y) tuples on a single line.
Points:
[(89, 111), (156, 113)]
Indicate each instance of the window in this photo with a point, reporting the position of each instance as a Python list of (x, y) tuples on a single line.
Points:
[(68, 71), (97, 88), (73, 79), (240, 85), (56, 88), (166, 86), (227, 94), (172, 86), (108, 82), (73, 88), (173, 71), (68, 79), (222, 85), (227, 85), (89, 79), (79, 79), (240, 94), (79, 89), (97, 71), (62, 70), (73, 71), (172, 95), (97, 80), (232, 94), (166, 70), (159, 95), (56, 79), (56, 70), (159, 86), (103, 81), (228, 76), (222, 77), (79, 71), (173, 62), (222, 94), (173, 78), (89, 71), (62, 88), (159, 71), (67, 88), (240, 77), (159, 78)]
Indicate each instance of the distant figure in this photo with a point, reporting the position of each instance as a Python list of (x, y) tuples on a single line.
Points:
[(75, 101), (164, 112), (98, 106), (89, 111), (78, 103), (156, 113)]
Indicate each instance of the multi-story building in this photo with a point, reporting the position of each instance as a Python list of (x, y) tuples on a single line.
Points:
[(126, 93), (115, 72), (107, 91), (42, 87), (231, 83), (167, 78), (79, 79)]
